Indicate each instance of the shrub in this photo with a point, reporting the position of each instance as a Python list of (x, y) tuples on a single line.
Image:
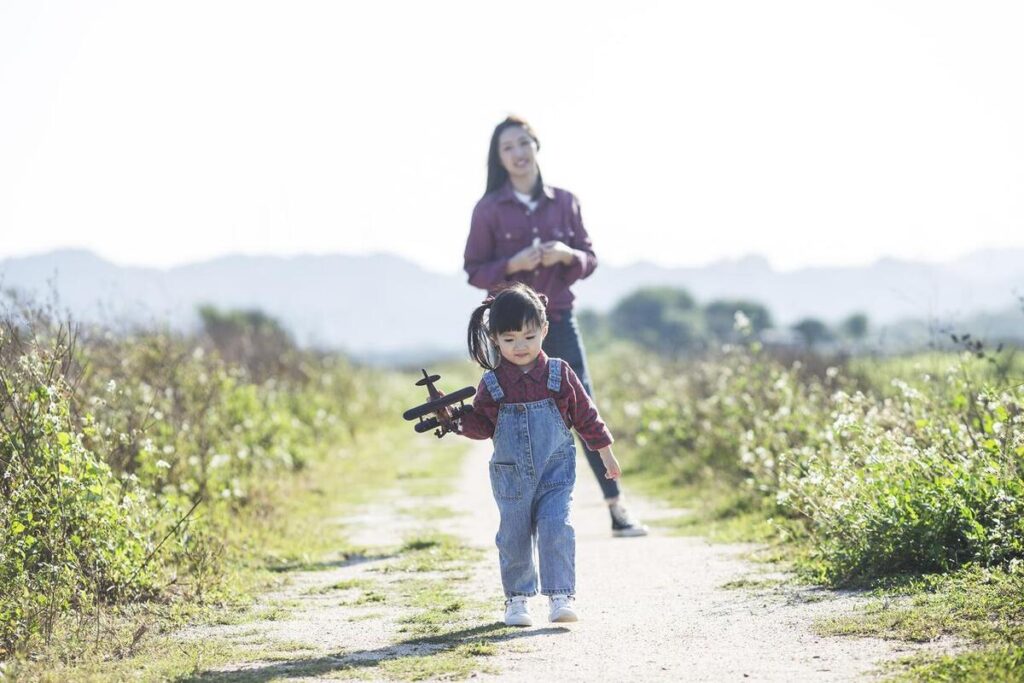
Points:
[(70, 534)]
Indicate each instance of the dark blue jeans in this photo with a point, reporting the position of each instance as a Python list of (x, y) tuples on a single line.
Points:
[(563, 341)]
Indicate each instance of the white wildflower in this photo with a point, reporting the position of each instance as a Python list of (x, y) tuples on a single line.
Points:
[(741, 323), (219, 460)]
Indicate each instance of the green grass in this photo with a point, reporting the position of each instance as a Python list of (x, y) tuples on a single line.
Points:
[(159, 659), (1000, 664), (292, 528), (432, 552), (344, 585), (438, 608), (982, 609), (370, 597), (457, 663), (985, 606)]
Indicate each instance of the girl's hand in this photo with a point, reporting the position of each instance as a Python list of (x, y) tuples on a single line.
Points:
[(611, 465), (526, 259), (556, 252)]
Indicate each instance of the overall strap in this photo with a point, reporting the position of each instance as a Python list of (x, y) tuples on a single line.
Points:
[(555, 374), (492, 385)]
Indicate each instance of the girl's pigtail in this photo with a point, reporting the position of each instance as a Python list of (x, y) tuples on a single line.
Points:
[(477, 337)]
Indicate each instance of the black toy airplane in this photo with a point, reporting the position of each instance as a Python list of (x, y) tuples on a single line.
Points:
[(440, 403)]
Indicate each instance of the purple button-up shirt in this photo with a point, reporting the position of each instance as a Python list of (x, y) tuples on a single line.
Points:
[(502, 226)]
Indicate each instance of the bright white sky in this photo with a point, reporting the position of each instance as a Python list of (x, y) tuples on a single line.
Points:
[(814, 133)]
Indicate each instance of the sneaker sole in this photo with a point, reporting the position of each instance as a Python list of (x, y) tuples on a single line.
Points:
[(519, 621), (563, 616), (627, 533)]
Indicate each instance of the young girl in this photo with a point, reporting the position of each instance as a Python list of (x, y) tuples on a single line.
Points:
[(526, 403)]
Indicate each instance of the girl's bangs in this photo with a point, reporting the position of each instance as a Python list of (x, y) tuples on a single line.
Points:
[(513, 313)]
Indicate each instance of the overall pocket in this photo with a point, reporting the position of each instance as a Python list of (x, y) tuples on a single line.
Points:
[(505, 481), (556, 418), (560, 470)]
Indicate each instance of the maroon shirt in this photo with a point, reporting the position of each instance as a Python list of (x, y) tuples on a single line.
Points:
[(502, 225), (577, 410)]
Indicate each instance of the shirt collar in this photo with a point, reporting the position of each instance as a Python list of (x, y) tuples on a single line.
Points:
[(507, 192), (509, 372)]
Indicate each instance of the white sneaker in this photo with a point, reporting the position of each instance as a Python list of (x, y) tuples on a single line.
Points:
[(517, 612), (562, 609)]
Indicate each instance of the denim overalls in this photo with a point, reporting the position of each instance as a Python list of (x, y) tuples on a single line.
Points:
[(533, 470)]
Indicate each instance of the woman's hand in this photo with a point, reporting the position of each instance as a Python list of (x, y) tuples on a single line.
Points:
[(556, 252), (611, 465), (527, 259)]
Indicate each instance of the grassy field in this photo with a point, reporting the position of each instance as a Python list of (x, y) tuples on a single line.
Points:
[(899, 476)]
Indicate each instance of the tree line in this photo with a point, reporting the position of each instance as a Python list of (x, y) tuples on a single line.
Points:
[(671, 321)]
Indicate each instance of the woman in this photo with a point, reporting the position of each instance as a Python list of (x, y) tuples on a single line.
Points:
[(523, 230)]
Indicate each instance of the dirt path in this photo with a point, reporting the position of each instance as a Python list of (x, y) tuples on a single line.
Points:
[(655, 608), (652, 609)]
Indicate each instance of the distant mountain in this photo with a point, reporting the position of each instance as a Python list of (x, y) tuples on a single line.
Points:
[(377, 304), (382, 306), (887, 290)]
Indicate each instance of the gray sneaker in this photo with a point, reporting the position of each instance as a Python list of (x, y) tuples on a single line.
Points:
[(623, 523)]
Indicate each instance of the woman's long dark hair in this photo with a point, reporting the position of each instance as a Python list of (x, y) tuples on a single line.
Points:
[(513, 308), (496, 173)]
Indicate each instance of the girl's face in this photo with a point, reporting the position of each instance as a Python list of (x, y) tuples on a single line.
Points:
[(521, 347), (517, 152)]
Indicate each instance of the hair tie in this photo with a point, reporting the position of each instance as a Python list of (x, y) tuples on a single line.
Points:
[(543, 299), (488, 301)]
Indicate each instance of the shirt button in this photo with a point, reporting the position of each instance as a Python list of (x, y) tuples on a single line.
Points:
[(535, 231), (508, 235)]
